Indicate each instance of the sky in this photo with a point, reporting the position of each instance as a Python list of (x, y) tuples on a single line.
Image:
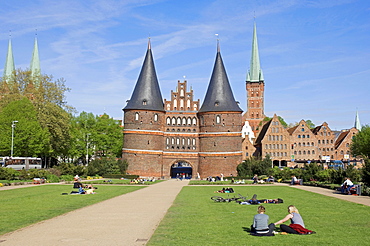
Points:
[(315, 55)]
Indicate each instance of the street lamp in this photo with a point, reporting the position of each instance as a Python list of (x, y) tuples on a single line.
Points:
[(87, 148), (13, 126)]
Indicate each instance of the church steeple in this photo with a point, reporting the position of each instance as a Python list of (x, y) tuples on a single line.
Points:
[(35, 63), (219, 96), (357, 122), (9, 68), (147, 94), (255, 73)]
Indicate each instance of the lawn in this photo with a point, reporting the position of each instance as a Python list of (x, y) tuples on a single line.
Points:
[(194, 219), (25, 206)]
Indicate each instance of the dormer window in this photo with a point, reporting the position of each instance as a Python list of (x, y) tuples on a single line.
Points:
[(144, 102), (217, 103)]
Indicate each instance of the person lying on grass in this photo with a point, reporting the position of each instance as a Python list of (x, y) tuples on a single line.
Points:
[(261, 226), (296, 223)]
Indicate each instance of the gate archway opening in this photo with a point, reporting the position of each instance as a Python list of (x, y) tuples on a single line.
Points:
[(181, 169)]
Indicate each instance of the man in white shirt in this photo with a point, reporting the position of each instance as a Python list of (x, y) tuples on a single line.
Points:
[(346, 186)]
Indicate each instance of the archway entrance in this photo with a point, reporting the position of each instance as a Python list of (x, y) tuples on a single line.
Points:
[(181, 168)]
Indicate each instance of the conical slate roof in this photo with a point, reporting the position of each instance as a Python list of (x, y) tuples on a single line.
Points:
[(219, 96), (147, 94)]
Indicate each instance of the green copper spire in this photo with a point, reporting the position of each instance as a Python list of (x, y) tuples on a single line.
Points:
[(255, 72), (9, 63), (35, 63), (357, 122)]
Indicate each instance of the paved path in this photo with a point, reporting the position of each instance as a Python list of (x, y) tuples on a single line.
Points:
[(129, 219), (365, 200)]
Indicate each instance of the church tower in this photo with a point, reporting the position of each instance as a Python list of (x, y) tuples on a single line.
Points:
[(220, 126), (144, 122), (255, 87), (9, 70), (35, 65)]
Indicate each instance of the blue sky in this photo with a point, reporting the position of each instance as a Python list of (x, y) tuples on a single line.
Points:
[(315, 55)]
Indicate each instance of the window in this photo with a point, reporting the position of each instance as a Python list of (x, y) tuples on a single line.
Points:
[(168, 121), (136, 116), (308, 136), (179, 121), (218, 119), (173, 121), (184, 121), (189, 121), (144, 102), (318, 141), (299, 136), (155, 117), (194, 121), (302, 129)]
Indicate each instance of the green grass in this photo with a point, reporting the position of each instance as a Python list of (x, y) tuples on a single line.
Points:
[(25, 206), (205, 182), (194, 219)]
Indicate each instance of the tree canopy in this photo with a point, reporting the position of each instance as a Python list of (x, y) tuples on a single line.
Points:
[(361, 143)]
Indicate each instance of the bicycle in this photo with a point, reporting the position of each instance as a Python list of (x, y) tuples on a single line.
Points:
[(229, 199)]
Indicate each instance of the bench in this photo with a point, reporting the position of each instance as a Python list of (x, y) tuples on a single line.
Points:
[(355, 190)]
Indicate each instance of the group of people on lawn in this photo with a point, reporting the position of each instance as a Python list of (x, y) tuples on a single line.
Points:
[(261, 226)]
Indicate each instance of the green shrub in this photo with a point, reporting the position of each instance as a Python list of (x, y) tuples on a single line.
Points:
[(51, 178)]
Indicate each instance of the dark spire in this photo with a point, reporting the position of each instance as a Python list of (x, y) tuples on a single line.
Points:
[(147, 94), (219, 96)]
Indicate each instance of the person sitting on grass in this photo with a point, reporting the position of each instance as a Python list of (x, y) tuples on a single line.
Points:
[(261, 226), (297, 224)]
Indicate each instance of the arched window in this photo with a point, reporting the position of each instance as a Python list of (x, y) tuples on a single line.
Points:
[(194, 121), (168, 121), (218, 119), (189, 121), (178, 121), (136, 116), (155, 117), (184, 121)]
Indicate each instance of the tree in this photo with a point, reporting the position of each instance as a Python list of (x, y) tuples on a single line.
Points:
[(361, 143), (48, 98), (30, 139), (310, 124), (365, 172), (100, 136)]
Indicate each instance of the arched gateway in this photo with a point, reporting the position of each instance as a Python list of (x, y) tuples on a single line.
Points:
[(181, 168)]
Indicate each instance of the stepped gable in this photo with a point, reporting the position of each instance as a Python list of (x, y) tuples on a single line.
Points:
[(147, 94), (219, 96)]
